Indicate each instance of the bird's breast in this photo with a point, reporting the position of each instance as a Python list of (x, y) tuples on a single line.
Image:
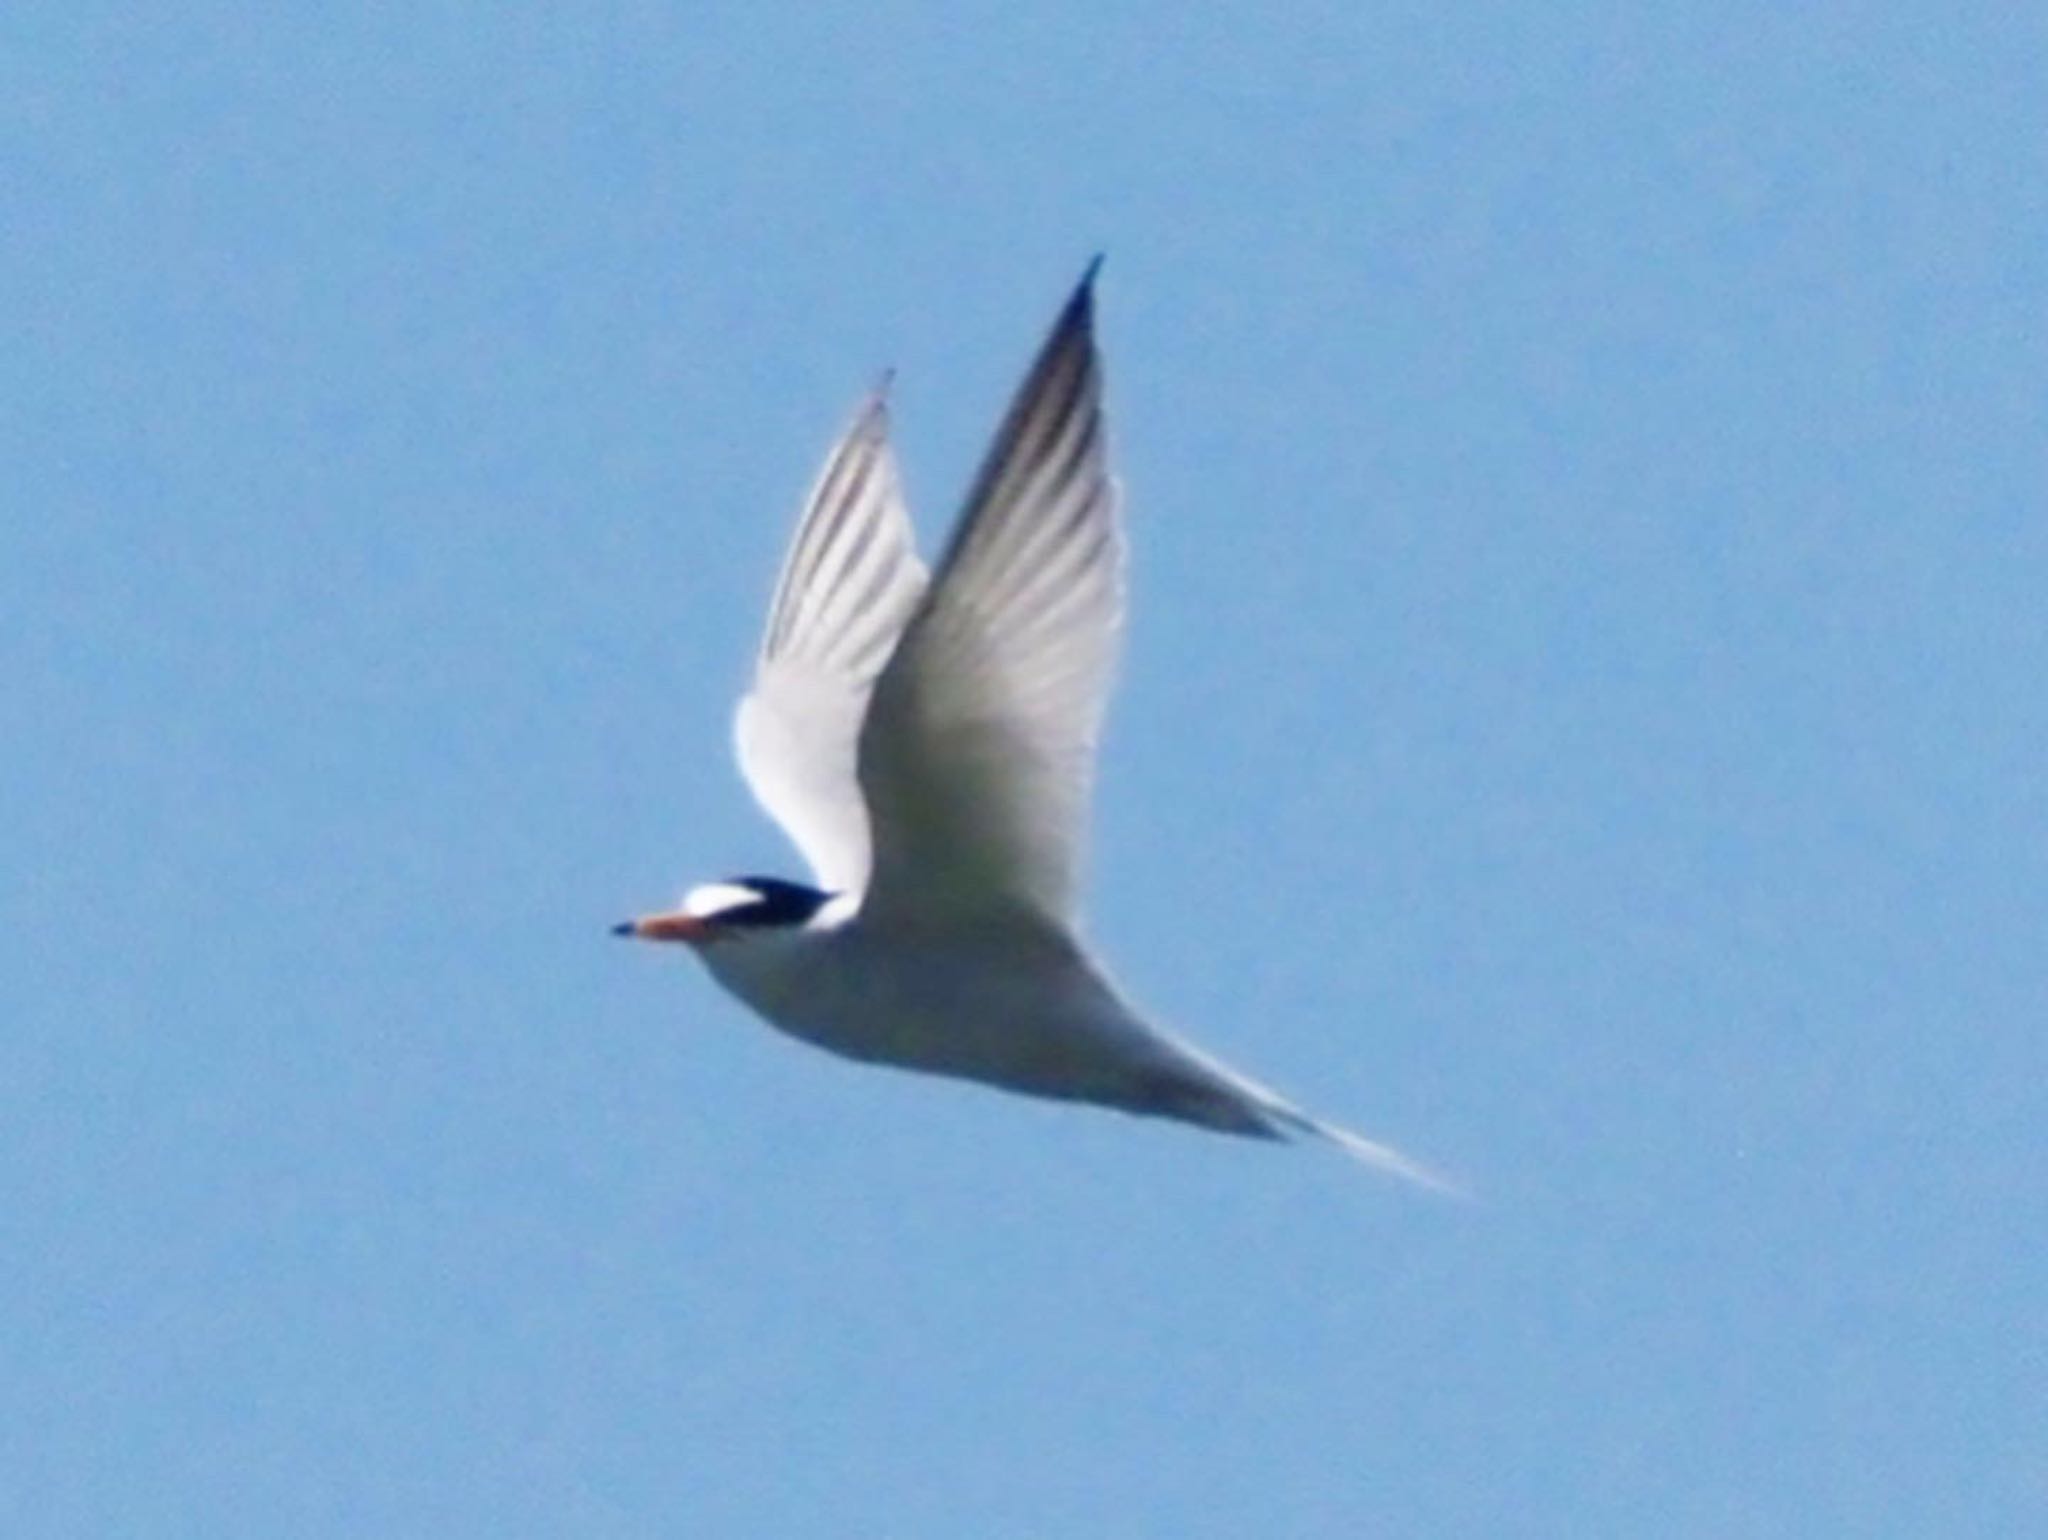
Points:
[(1007, 1009)]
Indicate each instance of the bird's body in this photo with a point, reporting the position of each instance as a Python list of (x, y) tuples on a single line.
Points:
[(929, 743), (1020, 1005)]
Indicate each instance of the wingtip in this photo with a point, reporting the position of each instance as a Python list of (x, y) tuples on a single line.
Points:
[(1082, 305), (873, 417)]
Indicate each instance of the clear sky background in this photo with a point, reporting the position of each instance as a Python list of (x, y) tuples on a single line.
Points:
[(1584, 721)]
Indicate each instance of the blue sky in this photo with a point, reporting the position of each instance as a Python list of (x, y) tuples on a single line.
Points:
[(1583, 722)]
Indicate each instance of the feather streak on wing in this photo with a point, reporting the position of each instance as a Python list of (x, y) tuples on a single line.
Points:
[(977, 757), (850, 581)]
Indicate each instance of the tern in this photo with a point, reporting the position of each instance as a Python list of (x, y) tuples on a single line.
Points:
[(928, 744)]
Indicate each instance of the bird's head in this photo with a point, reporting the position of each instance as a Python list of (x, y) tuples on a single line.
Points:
[(736, 908)]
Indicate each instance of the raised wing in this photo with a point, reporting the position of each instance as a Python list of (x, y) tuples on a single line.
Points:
[(977, 757), (849, 583)]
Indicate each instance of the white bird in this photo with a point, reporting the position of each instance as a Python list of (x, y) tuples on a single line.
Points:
[(928, 744)]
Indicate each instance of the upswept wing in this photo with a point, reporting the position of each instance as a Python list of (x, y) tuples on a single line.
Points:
[(849, 583), (977, 757)]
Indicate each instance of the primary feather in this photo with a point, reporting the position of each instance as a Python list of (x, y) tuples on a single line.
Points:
[(850, 582), (977, 757)]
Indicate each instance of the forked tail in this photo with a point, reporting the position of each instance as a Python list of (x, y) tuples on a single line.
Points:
[(1204, 1090), (1368, 1152)]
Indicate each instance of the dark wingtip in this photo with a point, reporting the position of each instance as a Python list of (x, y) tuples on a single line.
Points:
[(623, 928), (1080, 307), (872, 420)]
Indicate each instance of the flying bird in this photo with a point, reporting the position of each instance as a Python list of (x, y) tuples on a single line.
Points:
[(928, 743)]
